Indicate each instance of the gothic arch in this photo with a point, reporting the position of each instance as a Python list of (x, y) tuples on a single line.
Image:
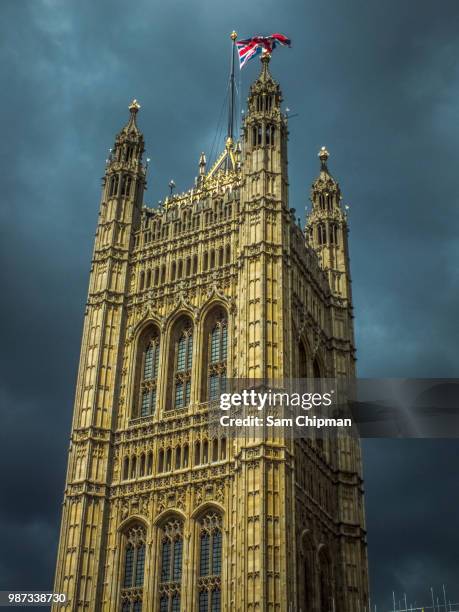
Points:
[(181, 333), (205, 507), (131, 520), (146, 364), (133, 556), (168, 514), (214, 361), (208, 533)]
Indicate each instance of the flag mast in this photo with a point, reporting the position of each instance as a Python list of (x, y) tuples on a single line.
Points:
[(230, 138)]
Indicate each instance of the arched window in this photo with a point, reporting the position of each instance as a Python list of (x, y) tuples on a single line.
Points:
[(183, 364), (210, 563), (133, 570), (220, 256), (228, 254), (114, 182), (149, 375), (321, 234), (171, 566), (218, 348), (334, 233), (126, 468), (126, 185)]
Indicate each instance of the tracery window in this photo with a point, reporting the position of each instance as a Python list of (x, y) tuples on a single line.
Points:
[(218, 348), (149, 377), (171, 566), (183, 364), (210, 563), (133, 570)]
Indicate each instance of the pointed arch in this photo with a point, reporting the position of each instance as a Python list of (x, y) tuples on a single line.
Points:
[(180, 362), (134, 536), (147, 370), (209, 523), (215, 352), (170, 526)]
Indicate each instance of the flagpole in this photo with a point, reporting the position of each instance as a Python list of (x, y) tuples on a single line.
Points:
[(232, 89)]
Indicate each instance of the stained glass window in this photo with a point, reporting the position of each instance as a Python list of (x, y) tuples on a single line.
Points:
[(171, 566), (148, 381), (134, 567), (218, 347), (210, 563)]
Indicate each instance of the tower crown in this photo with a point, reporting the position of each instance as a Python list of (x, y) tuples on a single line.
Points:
[(131, 130), (325, 184), (265, 93)]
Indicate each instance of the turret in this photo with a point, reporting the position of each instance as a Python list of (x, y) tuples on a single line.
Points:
[(124, 180), (265, 135), (327, 228)]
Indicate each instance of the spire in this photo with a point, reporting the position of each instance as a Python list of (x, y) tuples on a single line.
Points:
[(325, 181), (265, 74), (131, 125), (202, 169)]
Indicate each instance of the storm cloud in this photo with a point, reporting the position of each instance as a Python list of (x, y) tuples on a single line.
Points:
[(376, 82)]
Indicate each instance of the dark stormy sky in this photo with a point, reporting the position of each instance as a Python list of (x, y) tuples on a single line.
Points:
[(377, 82)]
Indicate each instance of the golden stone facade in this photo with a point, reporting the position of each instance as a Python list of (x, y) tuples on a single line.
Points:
[(218, 281)]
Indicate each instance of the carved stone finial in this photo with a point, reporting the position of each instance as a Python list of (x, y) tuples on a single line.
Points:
[(134, 106), (323, 154)]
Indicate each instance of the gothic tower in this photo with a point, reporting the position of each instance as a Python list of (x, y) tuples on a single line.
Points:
[(160, 514)]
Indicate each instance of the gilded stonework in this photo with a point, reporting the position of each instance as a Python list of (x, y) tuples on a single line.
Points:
[(216, 282)]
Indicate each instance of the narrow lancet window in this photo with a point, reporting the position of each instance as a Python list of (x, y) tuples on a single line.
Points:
[(218, 347), (183, 365), (134, 568), (149, 377), (210, 563), (171, 566)]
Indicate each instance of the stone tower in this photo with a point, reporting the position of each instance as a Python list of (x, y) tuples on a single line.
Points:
[(217, 282)]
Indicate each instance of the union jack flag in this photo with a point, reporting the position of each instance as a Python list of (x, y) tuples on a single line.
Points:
[(250, 47)]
